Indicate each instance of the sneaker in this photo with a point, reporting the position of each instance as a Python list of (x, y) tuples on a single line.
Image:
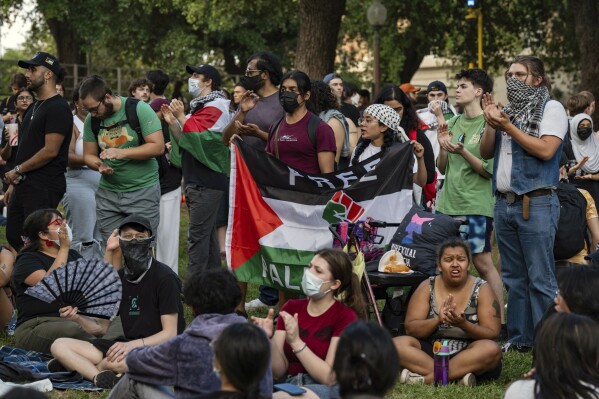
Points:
[(54, 366), (106, 379), (407, 377), (255, 304), (469, 380), (510, 347)]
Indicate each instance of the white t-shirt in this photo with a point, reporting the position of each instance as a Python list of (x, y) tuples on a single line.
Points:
[(373, 150), (525, 389), (553, 123)]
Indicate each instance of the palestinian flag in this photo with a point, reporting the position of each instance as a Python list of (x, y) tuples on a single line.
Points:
[(202, 135), (279, 216)]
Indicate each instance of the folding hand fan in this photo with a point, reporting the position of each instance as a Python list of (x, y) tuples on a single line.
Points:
[(93, 286)]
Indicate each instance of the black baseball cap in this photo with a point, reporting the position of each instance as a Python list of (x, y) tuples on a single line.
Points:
[(437, 85), (207, 70), (136, 220), (44, 59)]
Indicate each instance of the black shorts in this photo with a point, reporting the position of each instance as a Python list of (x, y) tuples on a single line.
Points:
[(427, 347), (103, 344)]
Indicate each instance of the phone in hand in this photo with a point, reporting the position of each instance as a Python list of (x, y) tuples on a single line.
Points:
[(291, 389)]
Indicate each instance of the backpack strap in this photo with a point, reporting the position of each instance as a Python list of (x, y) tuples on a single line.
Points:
[(132, 118), (312, 126)]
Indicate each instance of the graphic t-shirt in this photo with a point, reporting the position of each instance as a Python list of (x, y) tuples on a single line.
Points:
[(29, 307), (158, 293), (52, 115), (466, 192), (316, 332), (129, 174), (295, 147)]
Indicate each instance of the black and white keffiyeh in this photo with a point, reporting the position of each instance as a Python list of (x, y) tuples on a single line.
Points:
[(199, 102), (443, 104), (526, 104), (388, 117)]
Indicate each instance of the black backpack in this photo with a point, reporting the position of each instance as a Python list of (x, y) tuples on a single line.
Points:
[(571, 234), (132, 120)]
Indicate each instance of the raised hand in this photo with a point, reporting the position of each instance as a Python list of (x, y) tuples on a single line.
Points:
[(265, 323)]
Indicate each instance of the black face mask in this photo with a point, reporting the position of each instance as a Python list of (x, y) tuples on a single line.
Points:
[(584, 132), (137, 257), (288, 100), (253, 83)]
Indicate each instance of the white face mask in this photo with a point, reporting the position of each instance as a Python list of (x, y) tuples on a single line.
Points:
[(193, 86), (311, 285), (69, 233), (355, 99)]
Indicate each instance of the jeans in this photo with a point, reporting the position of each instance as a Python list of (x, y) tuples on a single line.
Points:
[(131, 389), (203, 248), (80, 208), (527, 265)]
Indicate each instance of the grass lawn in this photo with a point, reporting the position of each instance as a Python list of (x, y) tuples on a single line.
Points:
[(515, 364)]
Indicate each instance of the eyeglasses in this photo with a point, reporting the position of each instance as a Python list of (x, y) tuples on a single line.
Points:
[(521, 76), (365, 121), (56, 222), (136, 237), (24, 98), (251, 72), (94, 110)]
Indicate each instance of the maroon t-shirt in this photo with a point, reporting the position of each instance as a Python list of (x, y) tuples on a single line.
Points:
[(295, 147), (316, 332)]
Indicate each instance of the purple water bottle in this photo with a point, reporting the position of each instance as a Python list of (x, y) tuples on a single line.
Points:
[(441, 359)]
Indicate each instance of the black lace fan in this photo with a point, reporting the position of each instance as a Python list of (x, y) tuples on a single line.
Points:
[(93, 286)]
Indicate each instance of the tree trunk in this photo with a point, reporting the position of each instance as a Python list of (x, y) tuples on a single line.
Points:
[(67, 43), (413, 58), (317, 43), (586, 20)]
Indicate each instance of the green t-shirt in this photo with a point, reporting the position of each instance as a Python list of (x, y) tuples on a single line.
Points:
[(465, 192), (128, 174)]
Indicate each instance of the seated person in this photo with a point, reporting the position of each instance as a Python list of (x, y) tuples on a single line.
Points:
[(7, 261), (47, 242), (362, 351), (151, 310), (334, 300), (457, 307), (185, 362), (566, 350), (241, 357)]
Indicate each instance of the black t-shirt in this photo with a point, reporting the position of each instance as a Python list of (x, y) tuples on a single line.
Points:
[(8, 105), (198, 174), (171, 180), (52, 115), (158, 293), (219, 395), (29, 307), (351, 112)]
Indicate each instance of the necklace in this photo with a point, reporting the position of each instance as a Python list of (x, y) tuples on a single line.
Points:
[(37, 107)]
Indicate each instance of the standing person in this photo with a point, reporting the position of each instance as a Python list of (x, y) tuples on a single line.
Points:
[(467, 193), (24, 99), (8, 105), (290, 140), (238, 92), (129, 183), (336, 84), (167, 239), (410, 91), (204, 159), (159, 80), (80, 199), (140, 88), (259, 109), (525, 139), (37, 181)]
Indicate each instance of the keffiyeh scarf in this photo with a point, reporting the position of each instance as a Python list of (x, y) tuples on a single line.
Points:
[(388, 117), (526, 104), (199, 102)]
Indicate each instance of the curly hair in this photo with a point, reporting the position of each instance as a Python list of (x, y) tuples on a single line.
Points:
[(212, 291), (322, 97), (390, 92)]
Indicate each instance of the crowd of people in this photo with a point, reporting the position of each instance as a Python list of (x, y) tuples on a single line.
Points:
[(121, 164)]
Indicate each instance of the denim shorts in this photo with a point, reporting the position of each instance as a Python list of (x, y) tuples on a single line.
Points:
[(477, 231), (321, 390)]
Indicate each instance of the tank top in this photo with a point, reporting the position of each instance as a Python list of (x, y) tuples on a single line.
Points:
[(447, 331)]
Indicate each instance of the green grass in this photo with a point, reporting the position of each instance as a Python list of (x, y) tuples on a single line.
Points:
[(515, 364)]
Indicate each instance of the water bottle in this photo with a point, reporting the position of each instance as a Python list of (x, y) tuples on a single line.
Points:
[(441, 360)]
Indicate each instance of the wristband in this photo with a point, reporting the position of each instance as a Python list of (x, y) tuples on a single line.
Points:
[(17, 169), (299, 350)]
